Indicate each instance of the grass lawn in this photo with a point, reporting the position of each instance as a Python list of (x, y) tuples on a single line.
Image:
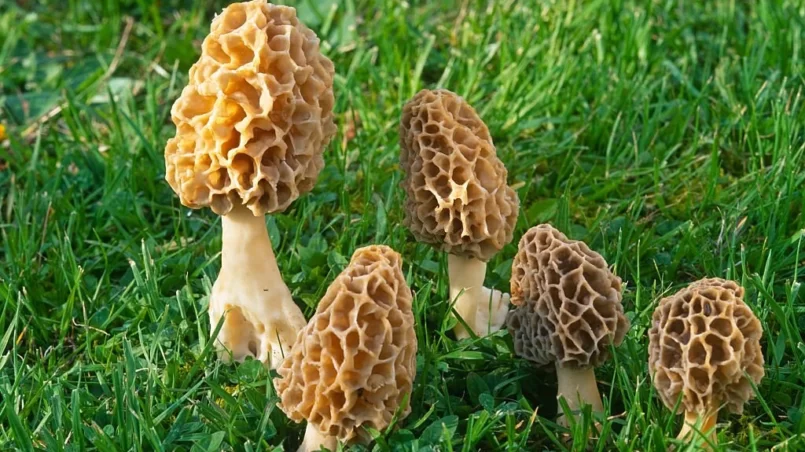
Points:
[(667, 135)]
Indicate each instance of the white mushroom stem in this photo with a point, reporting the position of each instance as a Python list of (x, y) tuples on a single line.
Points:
[(262, 319), (314, 440), (699, 426), (579, 388), (483, 309)]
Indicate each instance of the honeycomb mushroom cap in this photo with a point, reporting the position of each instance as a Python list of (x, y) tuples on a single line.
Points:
[(701, 341), (354, 363), (569, 301), (456, 193), (256, 114)]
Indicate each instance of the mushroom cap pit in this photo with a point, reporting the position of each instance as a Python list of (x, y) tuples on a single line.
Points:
[(252, 123), (457, 198)]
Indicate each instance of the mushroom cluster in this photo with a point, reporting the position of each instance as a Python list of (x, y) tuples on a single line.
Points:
[(704, 353), (251, 127), (569, 313)]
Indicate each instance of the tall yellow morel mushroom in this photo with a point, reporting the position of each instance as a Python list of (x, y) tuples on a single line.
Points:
[(704, 354), (353, 366), (251, 126), (569, 311), (457, 199)]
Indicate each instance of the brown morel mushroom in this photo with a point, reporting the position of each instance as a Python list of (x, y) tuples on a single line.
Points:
[(251, 126), (354, 364), (569, 311), (704, 353), (458, 199)]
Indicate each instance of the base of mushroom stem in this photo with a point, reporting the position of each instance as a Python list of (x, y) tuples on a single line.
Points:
[(579, 388), (314, 440), (699, 428), (244, 334), (484, 310), (260, 318)]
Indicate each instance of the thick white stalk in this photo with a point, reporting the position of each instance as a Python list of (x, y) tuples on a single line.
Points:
[(314, 440), (579, 388), (483, 309), (262, 319), (699, 426)]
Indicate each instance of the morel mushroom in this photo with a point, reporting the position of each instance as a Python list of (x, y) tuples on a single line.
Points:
[(251, 126), (704, 353), (458, 199), (354, 364), (569, 311)]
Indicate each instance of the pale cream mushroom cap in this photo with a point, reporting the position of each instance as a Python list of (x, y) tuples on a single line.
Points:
[(704, 346), (355, 362), (570, 309), (256, 115), (457, 198)]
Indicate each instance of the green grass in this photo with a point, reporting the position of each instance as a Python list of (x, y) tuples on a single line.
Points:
[(668, 135)]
